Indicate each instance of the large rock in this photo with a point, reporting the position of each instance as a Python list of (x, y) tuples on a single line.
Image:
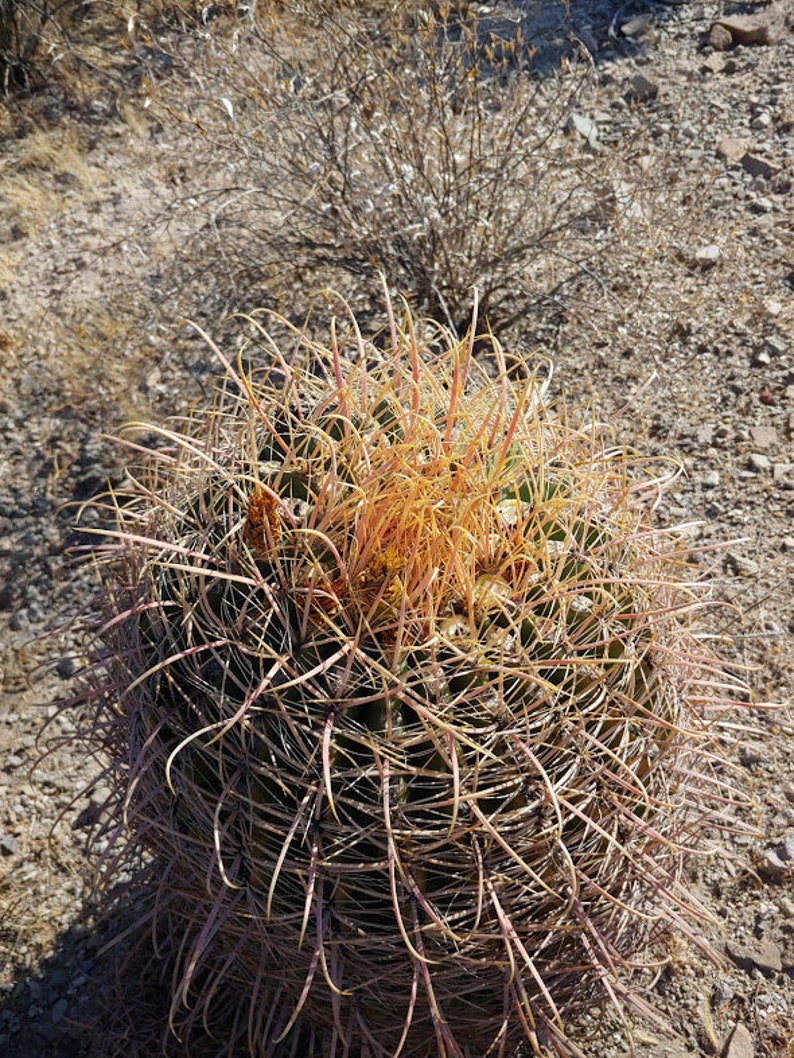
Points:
[(763, 955), (763, 27)]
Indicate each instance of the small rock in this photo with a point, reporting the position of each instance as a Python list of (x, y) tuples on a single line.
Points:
[(765, 27), (707, 256), (720, 37), (772, 306), (582, 125), (739, 1043), (643, 90), (731, 148), (772, 866), (758, 462), (787, 544), (9, 846), (711, 480), (762, 205), (741, 565), (763, 955), (763, 436), (756, 165), (776, 345), (751, 753), (714, 63), (100, 795), (636, 27), (761, 121), (67, 666), (783, 471), (722, 993), (762, 359), (704, 433)]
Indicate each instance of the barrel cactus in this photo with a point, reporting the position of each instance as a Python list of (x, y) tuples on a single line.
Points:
[(403, 702)]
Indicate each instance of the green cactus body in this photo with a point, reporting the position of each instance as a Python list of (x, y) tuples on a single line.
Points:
[(404, 689)]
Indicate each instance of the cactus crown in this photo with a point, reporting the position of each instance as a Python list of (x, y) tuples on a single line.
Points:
[(405, 696)]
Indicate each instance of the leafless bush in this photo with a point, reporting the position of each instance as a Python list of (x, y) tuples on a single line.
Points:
[(430, 153)]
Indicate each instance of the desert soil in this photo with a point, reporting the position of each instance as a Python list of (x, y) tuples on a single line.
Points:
[(100, 194)]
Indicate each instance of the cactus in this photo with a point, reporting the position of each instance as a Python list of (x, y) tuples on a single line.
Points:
[(404, 701)]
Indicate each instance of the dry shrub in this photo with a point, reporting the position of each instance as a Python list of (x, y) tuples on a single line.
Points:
[(427, 147), (417, 146)]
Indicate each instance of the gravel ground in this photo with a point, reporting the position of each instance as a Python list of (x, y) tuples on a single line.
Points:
[(93, 283)]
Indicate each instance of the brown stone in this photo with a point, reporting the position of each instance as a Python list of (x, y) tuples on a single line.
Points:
[(763, 955), (739, 1043), (720, 37), (764, 27), (731, 148)]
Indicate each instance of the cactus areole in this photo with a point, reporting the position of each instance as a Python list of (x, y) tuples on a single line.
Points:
[(404, 702)]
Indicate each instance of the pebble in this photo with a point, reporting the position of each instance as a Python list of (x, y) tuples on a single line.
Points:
[(642, 89), (776, 345), (742, 566), (637, 27), (758, 462), (757, 165), (740, 1043), (582, 125), (9, 846), (761, 121), (731, 148), (67, 666), (764, 436), (708, 255), (763, 955), (752, 753), (711, 479), (773, 866)]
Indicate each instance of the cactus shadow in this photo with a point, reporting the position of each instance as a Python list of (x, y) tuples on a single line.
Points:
[(93, 998)]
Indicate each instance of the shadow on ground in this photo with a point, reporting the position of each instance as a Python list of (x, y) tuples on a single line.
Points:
[(553, 30)]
